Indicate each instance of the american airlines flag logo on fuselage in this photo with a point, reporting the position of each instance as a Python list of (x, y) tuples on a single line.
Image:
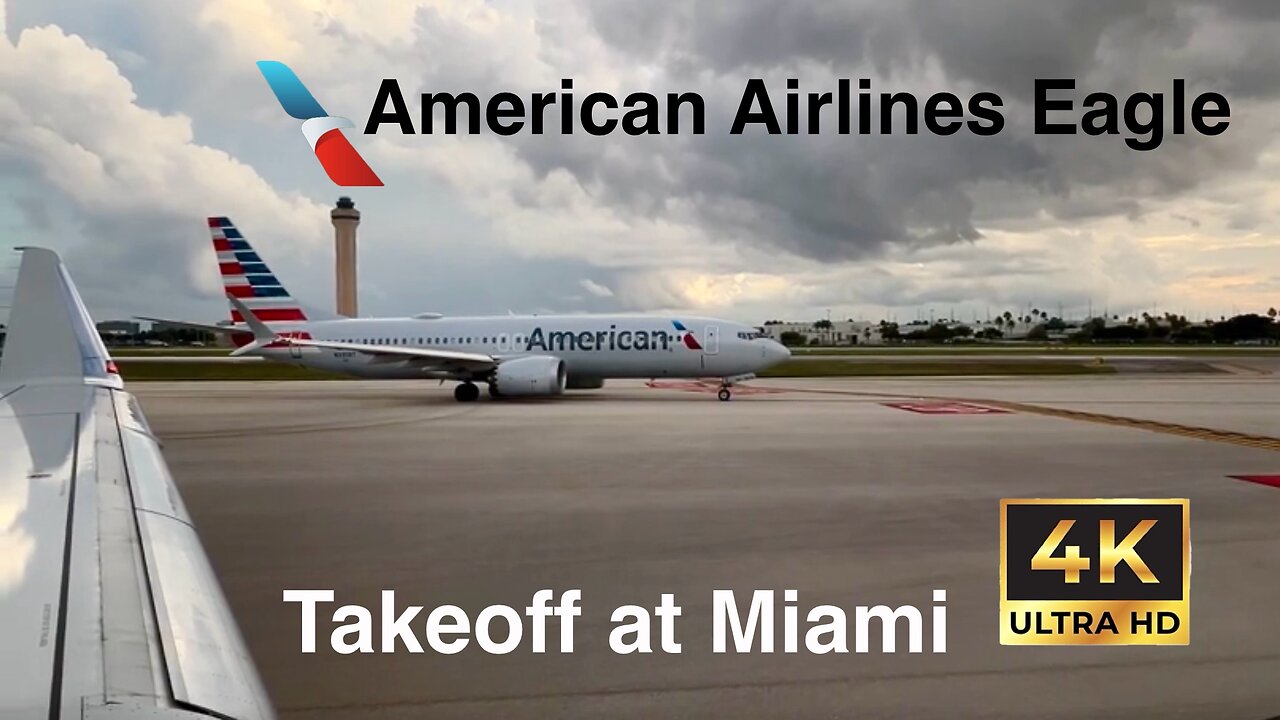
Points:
[(686, 336), (246, 277)]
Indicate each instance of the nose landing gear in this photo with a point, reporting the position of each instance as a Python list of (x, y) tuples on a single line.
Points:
[(728, 382)]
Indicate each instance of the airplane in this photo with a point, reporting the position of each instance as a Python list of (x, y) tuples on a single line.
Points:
[(515, 355), (109, 609)]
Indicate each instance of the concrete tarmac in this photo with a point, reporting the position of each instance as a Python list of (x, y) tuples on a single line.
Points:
[(631, 492)]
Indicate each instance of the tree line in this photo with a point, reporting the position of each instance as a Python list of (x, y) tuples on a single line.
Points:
[(1144, 328)]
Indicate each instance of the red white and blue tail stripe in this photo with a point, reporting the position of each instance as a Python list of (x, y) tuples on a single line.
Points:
[(247, 277)]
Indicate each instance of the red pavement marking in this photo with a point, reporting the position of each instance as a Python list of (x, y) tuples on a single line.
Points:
[(945, 408), (709, 386), (1272, 480)]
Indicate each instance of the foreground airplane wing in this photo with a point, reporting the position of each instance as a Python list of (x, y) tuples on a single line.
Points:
[(108, 607)]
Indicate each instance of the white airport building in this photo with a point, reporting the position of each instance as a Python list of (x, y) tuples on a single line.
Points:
[(866, 332), (827, 332)]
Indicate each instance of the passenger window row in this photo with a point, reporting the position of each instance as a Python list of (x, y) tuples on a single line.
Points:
[(427, 341)]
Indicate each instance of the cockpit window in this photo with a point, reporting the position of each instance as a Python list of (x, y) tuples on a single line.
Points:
[(749, 335)]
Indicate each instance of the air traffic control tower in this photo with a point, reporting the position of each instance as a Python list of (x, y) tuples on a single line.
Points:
[(345, 219)]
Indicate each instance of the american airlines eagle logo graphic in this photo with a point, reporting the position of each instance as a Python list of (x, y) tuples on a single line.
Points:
[(339, 159), (686, 336)]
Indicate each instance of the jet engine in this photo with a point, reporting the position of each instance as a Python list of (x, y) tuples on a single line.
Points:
[(536, 375)]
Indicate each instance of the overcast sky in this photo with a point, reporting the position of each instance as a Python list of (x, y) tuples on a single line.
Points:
[(123, 123)]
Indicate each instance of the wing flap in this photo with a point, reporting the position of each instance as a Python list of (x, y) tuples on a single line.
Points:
[(206, 659)]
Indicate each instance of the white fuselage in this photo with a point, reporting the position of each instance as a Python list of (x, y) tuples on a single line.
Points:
[(593, 347)]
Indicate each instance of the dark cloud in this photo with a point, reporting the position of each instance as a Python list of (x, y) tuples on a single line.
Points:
[(781, 200), (726, 37), (832, 197)]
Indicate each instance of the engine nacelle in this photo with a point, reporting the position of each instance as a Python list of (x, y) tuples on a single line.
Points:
[(536, 375)]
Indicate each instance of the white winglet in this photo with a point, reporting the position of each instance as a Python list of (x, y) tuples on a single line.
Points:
[(51, 336)]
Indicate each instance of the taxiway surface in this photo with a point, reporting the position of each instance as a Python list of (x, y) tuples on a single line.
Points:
[(631, 492)]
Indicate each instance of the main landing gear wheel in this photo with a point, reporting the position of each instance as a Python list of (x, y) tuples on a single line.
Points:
[(466, 392), (724, 394)]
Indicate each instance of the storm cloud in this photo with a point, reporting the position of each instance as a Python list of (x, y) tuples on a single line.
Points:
[(743, 224)]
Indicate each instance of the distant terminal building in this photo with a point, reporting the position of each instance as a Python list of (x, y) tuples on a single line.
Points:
[(119, 327), (119, 332), (865, 332), (167, 327), (825, 332)]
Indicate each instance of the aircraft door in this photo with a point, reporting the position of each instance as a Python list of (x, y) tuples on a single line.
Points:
[(712, 344)]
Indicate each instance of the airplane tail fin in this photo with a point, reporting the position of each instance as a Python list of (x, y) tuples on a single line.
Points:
[(247, 277), (51, 337)]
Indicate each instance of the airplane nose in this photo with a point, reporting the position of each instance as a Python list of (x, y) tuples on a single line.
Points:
[(778, 352)]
